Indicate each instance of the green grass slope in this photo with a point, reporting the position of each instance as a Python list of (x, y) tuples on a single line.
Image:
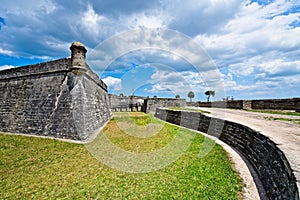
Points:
[(39, 168)]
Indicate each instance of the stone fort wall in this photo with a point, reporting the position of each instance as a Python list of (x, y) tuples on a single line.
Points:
[(121, 103), (62, 98), (150, 104), (267, 159), (272, 104)]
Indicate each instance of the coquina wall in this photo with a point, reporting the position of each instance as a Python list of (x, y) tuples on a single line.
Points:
[(126, 103), (61, 98), (150, 104), (273, 104), (267, 159)]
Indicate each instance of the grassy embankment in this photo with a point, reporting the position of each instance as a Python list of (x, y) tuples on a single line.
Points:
[(280, 112), (297, 121), (39, 168)]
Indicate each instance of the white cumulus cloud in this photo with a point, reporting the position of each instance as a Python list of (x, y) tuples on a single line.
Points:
[(255, 44), (114, 84), (4, 67)]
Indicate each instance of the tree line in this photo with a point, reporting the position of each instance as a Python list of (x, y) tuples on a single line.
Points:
[(191, 95)]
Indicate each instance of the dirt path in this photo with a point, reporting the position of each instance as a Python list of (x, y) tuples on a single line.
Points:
[(284, 133)]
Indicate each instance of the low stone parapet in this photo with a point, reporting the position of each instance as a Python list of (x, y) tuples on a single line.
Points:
[(270, 163)]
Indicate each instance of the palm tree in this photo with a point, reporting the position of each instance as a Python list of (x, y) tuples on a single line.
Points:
[(177, 96), (209, 93), (191, 95)]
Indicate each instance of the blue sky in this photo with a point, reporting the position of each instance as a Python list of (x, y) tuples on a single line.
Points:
[(255, 44)]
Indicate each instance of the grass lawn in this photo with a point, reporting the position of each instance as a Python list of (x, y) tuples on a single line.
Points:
[(297, 121), (280, 112), (39, 168)]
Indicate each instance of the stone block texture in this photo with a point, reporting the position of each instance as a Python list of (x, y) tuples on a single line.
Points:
[(271, 165), (297, 105), (150, 104), (267, 104), (55, 99), (125, 103)]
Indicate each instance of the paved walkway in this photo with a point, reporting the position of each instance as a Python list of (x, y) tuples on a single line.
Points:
[(284, 133)]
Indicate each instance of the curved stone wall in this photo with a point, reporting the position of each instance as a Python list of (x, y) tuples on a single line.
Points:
[(267, 159)]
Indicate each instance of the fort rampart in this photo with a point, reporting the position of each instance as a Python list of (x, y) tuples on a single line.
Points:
[(63, 98), (150, 104), (125, 103), (261, 104)]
